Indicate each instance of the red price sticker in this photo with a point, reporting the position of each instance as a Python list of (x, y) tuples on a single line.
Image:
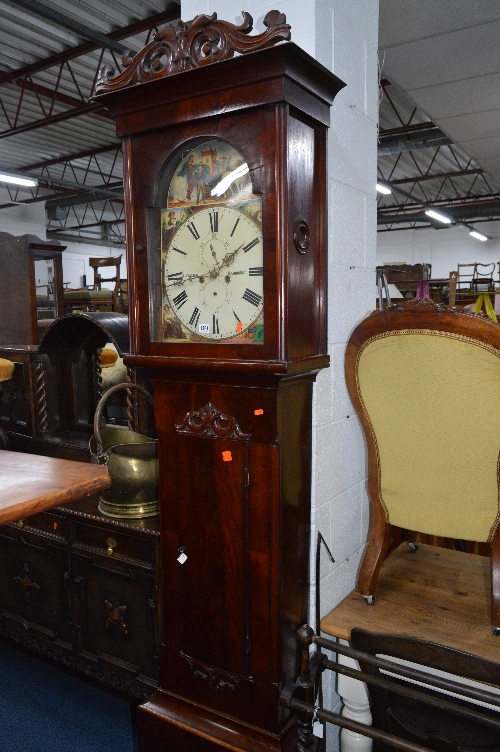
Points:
[(227, 456)]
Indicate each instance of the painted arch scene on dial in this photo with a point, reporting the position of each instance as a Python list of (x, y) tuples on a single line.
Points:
[(212, 252)]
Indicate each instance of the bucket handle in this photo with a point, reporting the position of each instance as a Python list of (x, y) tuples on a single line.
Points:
[(100, 406)]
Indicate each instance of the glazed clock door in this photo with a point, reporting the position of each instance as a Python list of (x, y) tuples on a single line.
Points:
[(209, 281), (213, 557)]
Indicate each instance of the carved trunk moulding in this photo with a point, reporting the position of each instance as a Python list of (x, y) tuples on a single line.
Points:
[(192, 44), (211, 422), (218, 681)]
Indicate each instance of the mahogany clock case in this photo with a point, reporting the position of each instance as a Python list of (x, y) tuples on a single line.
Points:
[(233, 420), (272, 106)]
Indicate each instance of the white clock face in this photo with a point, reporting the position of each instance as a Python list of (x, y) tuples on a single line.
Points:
[(214, 273)]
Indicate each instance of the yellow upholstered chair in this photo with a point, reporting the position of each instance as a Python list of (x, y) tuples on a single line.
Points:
[(425, 382)]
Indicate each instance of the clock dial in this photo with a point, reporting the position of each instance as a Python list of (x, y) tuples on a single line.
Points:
[(213, 274)]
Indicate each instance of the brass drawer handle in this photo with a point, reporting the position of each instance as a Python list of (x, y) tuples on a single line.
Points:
[(111, 543)]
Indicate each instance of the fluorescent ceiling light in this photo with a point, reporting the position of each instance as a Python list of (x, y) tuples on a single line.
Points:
[(478, 235), (440, 217), (16, 180), (224, 184), (383, 189)]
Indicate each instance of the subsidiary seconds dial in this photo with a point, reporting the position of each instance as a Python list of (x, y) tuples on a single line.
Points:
[(214, 273)]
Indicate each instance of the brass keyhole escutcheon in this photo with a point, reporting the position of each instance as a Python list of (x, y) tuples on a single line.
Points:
[(20, 523), (111, 544), (301, 235)]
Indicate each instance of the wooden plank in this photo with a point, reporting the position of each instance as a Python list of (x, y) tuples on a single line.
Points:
[(30, 483), (435, 594)]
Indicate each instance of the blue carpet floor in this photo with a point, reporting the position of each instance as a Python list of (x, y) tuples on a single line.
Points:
[(43, 709)]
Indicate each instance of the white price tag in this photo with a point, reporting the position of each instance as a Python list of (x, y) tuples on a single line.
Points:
[(182, 558), (318, 729)]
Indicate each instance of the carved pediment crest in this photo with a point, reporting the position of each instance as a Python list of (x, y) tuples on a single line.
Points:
[(192, 44)]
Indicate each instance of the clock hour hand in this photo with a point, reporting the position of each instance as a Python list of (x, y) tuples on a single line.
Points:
[(229, 258)]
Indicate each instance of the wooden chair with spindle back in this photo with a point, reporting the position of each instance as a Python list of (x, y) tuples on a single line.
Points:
[(414, 372), (465, 276), (99, 263)]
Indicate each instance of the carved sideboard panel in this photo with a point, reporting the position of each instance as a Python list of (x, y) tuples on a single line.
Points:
[(70, 595)]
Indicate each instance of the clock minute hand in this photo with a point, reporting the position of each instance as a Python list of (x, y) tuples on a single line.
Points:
[(187, 278)]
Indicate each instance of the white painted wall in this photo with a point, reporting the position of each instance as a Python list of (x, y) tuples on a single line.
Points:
[(30, 220), (444, 249), (343, 36)]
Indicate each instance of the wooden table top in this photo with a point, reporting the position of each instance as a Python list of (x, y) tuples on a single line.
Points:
[(30, 483), (435, 594)]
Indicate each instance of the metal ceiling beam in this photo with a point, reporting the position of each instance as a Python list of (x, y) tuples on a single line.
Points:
[(83, 109), (67, 193), (464, 213), (413, 142), (78, 106), (70, 157), (170, 14), (403, 129), (103, 223), (441, 205), (91, 194), (54, 16), (435, 176), (69, 238), (57, 96)]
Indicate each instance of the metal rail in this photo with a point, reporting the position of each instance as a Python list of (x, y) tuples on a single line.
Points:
[(300, 695)]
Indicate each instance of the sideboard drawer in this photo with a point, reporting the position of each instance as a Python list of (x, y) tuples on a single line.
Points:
[(136, 550), (47, 524)]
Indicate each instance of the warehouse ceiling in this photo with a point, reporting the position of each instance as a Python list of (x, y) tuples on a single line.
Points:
[(439, 140), (50, 54), (440, 111)]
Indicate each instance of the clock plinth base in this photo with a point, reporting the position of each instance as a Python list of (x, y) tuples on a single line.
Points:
[(167, 723)]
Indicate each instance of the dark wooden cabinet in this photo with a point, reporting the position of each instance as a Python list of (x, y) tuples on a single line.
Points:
[(22, 302), (48, 405), (80, 590), (18, 415)]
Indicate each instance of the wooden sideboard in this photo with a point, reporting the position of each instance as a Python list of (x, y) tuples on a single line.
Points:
[(68, 594), (79, 590)]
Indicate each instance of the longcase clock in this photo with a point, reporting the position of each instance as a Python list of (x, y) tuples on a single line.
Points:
[(225, 188)]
